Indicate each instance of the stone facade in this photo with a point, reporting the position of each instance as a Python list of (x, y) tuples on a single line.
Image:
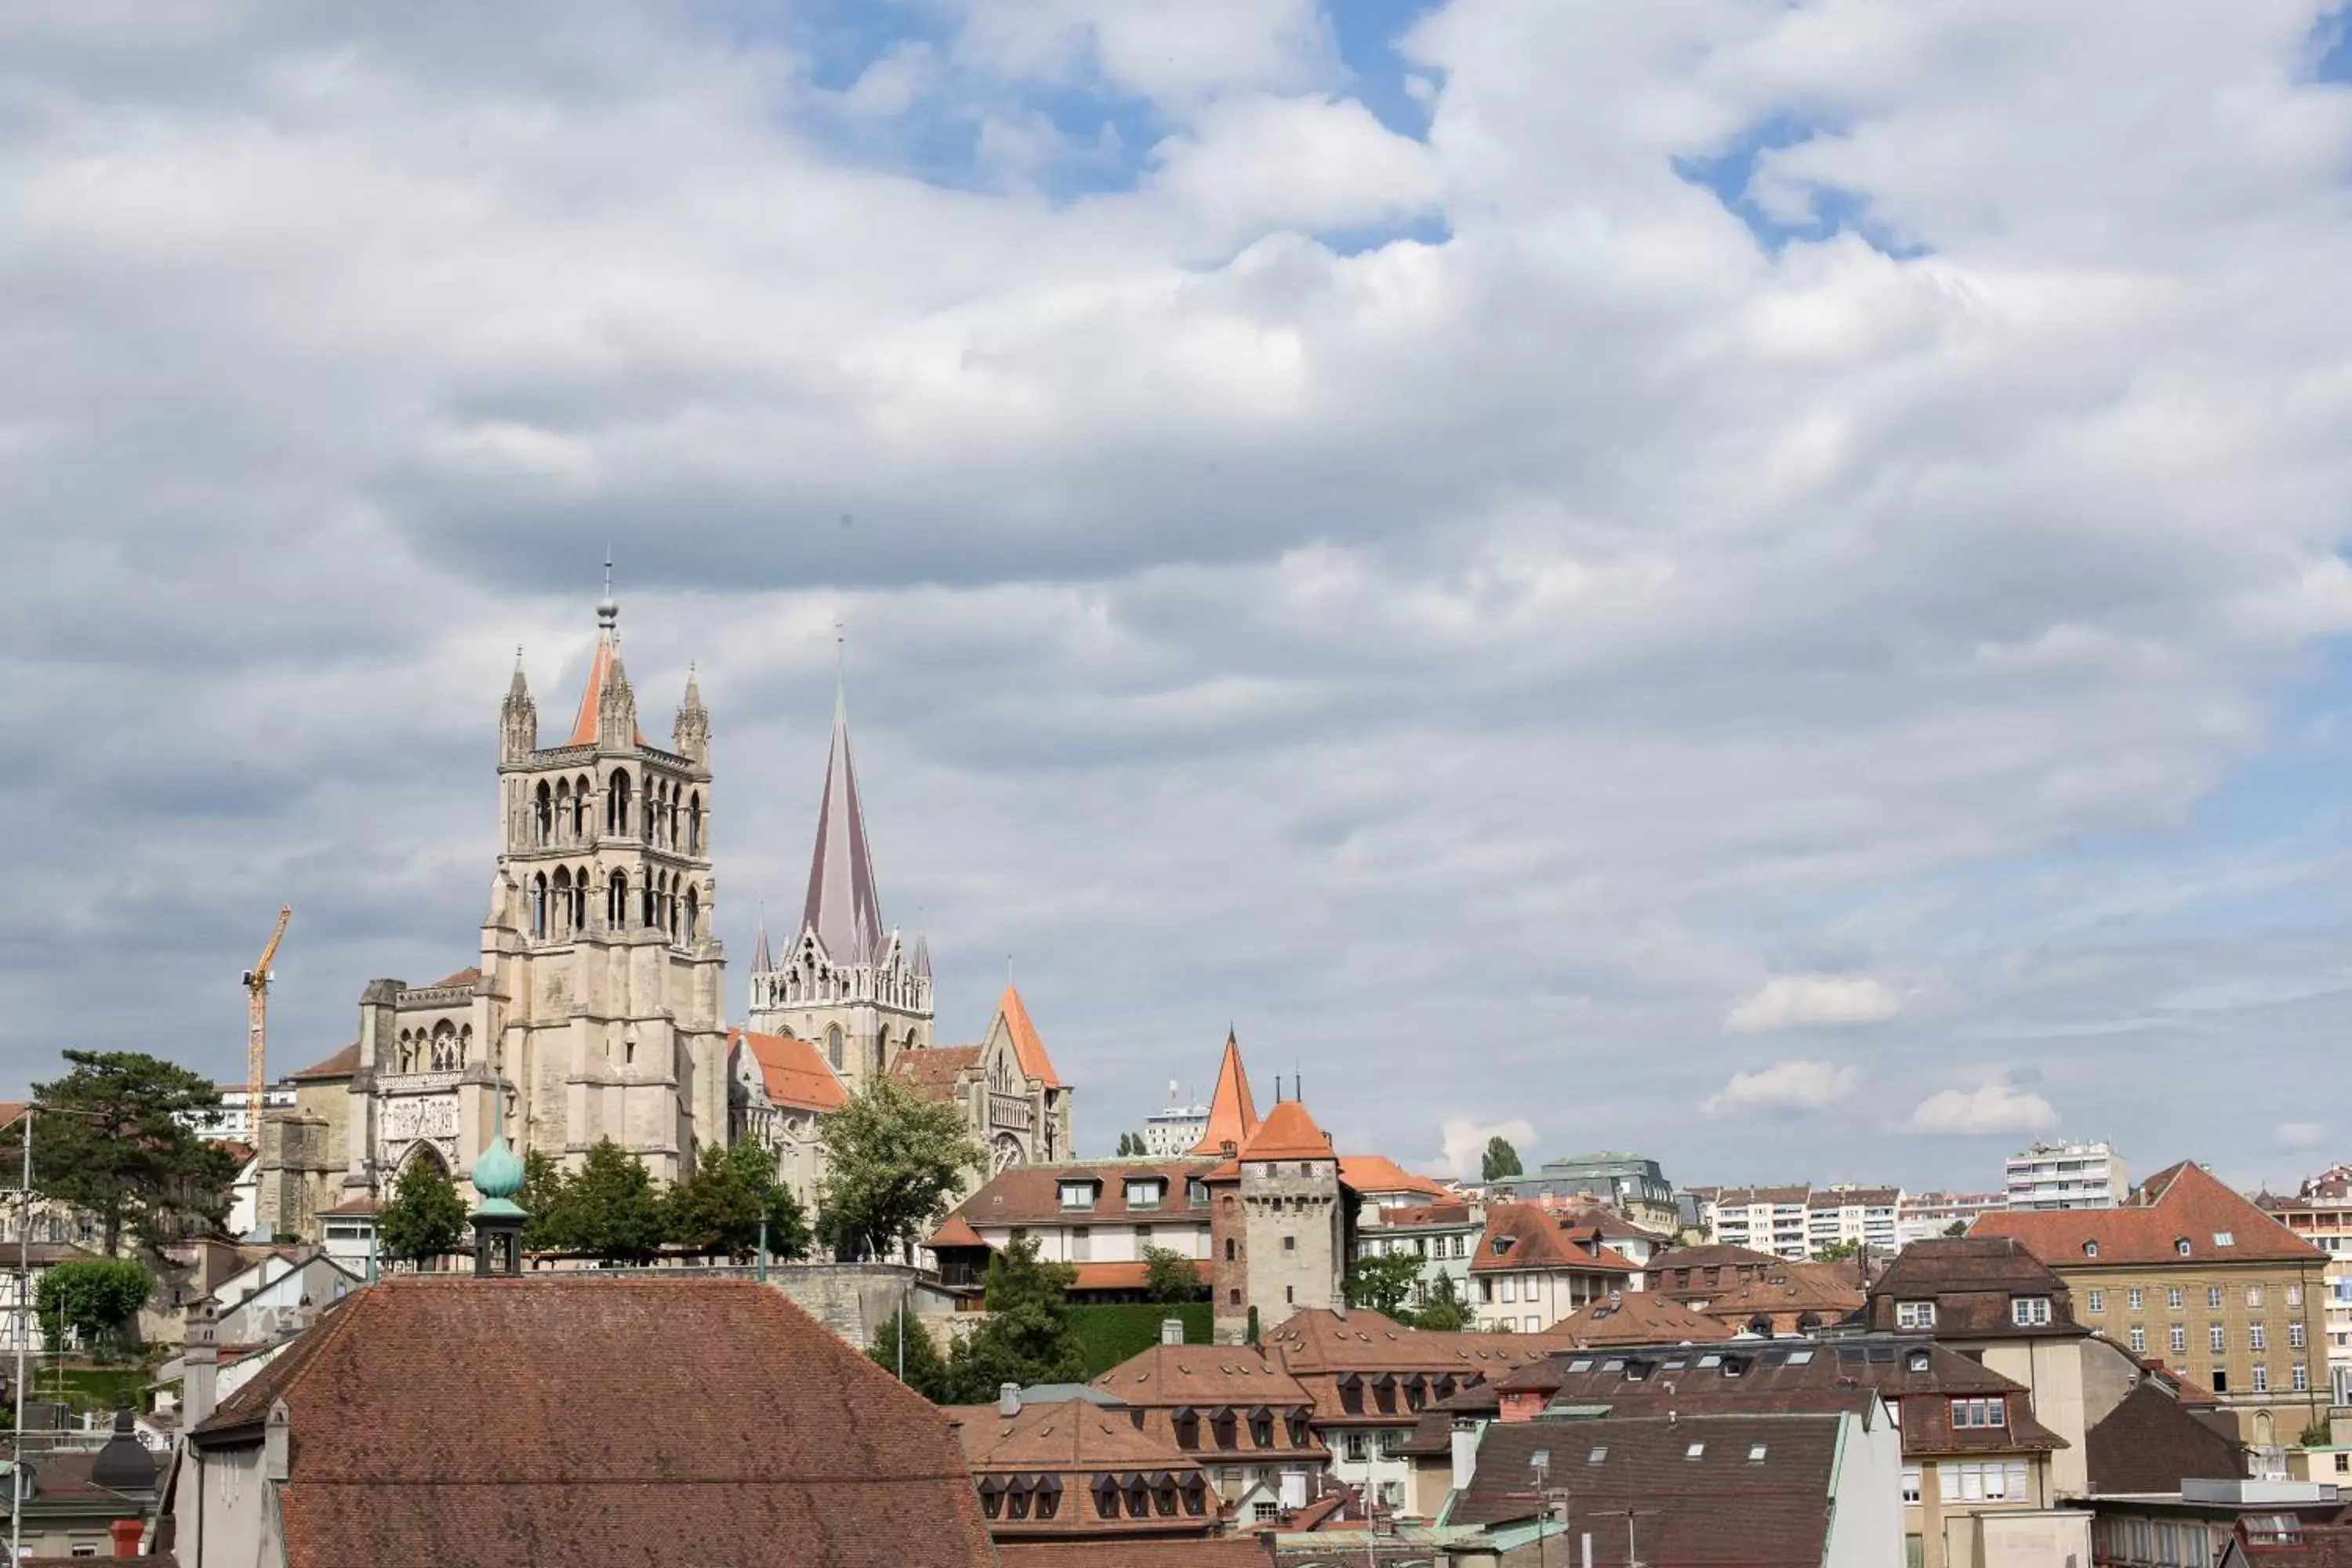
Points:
[(1279, 1247)]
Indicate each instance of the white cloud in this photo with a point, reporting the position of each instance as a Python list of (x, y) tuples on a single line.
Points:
[(1784, 1086), (1786, 1001), (1995, 1108), (2301, 1134), (1465, 1143)]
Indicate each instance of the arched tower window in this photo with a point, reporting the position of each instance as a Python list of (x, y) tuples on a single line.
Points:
[(539, 905), (464, 1046), (693, 915), (694, 823), (444, 1046), (560, 919), (580, 900), (580, 807), (616, 901), (542, 816), (562, 810), (616, 802), (833, 1047)]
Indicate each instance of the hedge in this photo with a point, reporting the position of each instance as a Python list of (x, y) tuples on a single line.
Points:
[(1110, 1333)]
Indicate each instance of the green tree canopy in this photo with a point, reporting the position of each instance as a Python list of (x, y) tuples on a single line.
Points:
[(541, 1200), (719, 1209), (1500, 1160), (893, 1162), (609, 1207), (1382, 1282), (1445, 1312), (426, 1217), (96, 1297), (1026, 1337), (902, 1332), (1837, 1250), (119, 1144), (1169, 1276)]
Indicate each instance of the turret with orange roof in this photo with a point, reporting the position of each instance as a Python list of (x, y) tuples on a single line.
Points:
[(1233, 1117)]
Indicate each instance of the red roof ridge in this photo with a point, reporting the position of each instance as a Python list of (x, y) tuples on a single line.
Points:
[(1289, 1132), (792, 1072), (1025, 1043)]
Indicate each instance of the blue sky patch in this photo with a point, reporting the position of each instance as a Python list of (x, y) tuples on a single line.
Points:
[(1731, 175)]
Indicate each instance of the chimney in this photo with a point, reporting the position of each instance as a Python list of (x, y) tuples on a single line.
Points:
[(202, 1360), (1172, 1331), (278, 1443), (1008, 1399), (1465, 1454), (126, 1533)]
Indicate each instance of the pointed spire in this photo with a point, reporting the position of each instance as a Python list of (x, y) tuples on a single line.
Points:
[(1232, 1115), (604, 673), (843, 907), (690, 734), (762, 961), (1025, 1043), (922, 956), (518, 717)]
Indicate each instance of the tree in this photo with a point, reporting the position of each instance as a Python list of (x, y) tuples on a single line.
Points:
[(126, 1151), (425, 1216), (94, 1296), (1500, 1160), (1382, 1281), (540, 1200), (719, 1209), (1445, 1312), (893, 1161), (1026, 1337), (1837, 1251), (1169, 1276), (926, 1373), (609, 1207), (1957, 1228), (1130, 1145)]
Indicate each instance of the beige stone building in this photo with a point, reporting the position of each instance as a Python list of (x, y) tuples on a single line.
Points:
[(1281, 1227), (596, 1005)]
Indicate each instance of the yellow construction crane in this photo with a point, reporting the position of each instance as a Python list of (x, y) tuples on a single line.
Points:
[(257, 992)]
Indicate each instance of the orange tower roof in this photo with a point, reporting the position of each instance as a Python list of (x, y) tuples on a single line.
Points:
[(1289, 1132), (600, 669), (1233, 1117), (1025, 1043)]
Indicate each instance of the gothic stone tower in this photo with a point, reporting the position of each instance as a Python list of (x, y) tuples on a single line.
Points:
[(602, 991), (1280, 1225), (853, 991)]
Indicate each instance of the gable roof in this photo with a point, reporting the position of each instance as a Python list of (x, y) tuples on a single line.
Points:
[(450, 1420), (1289, 1132), (1032, 1195), (1233, 1115), (1320, 1340), (2148, 1443), (1378, 1173), (2182, 1202), (1972, 1280), (791, 1071), (1638, 1318), (342, 1064), (1203, 1375), (1526, 1235), (1025, 1043)]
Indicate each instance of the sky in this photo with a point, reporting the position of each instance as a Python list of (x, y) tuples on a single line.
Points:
[(1758, 582)]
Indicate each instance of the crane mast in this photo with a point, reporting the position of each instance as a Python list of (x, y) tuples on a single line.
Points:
[(256, 993)]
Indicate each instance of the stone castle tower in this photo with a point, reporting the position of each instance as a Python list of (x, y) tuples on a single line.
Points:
[(595, 1008), (844, 984), (1279, 1229)]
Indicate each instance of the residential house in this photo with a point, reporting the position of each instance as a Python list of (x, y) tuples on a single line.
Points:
[(1663, 1488), (1442, 1235), (2192, 1272), (1099, 1217), (1847, 1218), (1233, 1410), (89, 1503), (2321, 1213), (1761, 1219), (1073, 1469), (1921, 1215), (1370, 1378), (1528, 1273), (1696, 1276), (1790, 1299), (571, 1418), (1641, 1318)]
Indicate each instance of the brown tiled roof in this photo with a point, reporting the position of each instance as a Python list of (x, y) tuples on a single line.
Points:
[(363, 1205), (1719, 1507), (1419, 1214), (2181, 1203), (1800, 1374), (342, 1064), (1197, 1551), (1233, 1115), (1821, 1289), (465, 976), (1289, 1132), (1713, 1257), (931, 1073), (666, 1422), (1118, 1276), (1065, 1436), (1025, 1043), (1526, 1235), (1204, 1376), (792, 1072), (1032, 1195), (1638, 1318), (2147, 1443), (1972, 1280), (1321, 1341), (1744, 1197), (954, 1232)]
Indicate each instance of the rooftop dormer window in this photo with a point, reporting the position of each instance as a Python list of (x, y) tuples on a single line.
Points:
[(1078, 1195), (2090, 1249), (2029, 1311), (2224, 1238), (1145, 1192), (2180, 1245), (1915, 1314)]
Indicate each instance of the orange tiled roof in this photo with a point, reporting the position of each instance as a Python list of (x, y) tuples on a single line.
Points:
[(1233, 1117), (1202, 1376), (2179, 1204), (342, 1064), (1638, 1318), (1116, 1276), (1535, 1241), (1378, 1173), (954, 1232), (465, 976), (1289, 1132), (792, 1072), (1025, 1043)]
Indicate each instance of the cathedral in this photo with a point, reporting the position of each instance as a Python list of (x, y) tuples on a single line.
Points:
[(597, 1007)]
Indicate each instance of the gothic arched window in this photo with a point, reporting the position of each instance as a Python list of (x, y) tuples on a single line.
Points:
[(464, 1046), (580, 900), (539, 905), (542, 816), (616, 803), (560, 920), (833, 1047), (562, 809), (445, 1047), (694, 823), (580, 807), (616, 901), (693, 915)]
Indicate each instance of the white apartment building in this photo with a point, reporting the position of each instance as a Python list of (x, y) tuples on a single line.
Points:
[(2322, 1215), (1443, 1235), (2085, 1175), (1922, 1215), (1852, 1216), (234, 1122), (1174, 1131), (1762, 1219)]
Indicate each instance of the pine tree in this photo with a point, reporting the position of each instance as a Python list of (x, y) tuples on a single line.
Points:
[(1501, 1160), (902, 1333), (127, 1152)]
